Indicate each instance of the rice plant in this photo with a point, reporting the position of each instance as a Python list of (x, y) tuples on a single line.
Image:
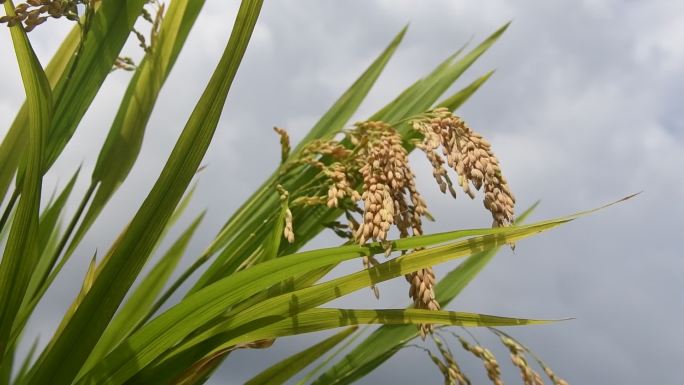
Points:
[(350, 178)]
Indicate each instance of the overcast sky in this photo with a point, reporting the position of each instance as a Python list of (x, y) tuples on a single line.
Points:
[(584, 108)]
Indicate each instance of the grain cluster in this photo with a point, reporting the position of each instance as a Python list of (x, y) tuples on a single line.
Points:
[(471, 157), (490, 363), (367, 174), (32, 13), (453, 374), (529, 375)]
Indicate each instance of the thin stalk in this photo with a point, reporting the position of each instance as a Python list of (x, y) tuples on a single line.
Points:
[(332, 356), (172, 289), (206, 255), (8, 209), (50, 273), (238, 219)]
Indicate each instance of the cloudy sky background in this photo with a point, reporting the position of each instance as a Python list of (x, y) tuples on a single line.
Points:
[(584, 108)]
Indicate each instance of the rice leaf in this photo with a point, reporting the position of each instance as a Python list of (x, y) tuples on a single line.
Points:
[(69, 349), (21, 374), (49, 231), (140, 301), (333, 120), (166, 330), (314, 320), (21, 252), (106, 34), (122, 146), (287, 368), (14, 142), (385, 341), (455, 101), (303, 299), (273, 242)]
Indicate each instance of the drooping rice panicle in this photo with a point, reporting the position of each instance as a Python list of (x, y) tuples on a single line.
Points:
[(471, 157), (488, 359), (284, 143)]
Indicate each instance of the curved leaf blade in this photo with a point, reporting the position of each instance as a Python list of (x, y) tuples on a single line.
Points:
[(21, 252), (164, 332), (124, 140), (69, 350), (14, 143), (139, 302), (287, 368), (323, 319), (333, 120)]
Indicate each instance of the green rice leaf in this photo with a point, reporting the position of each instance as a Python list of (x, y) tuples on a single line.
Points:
[(317, 319), (21, 252), (314, 320), (263, 201), (287, 368), (49, 232), (140, 301), (52, 213), (21, 374), (303, 299), (105, 36), (272, 243), (349, 102), (166, 330), (455, 101), (69, 350), (14, 142), (122, 146), (241, 234)]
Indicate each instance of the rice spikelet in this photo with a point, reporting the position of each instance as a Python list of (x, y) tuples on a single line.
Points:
[(556, 380), (288, 231), (33, 13), (340, 186), (388, 183), (454, 370), (529, 375), (490, 363), (284, 143), (450, 376)]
